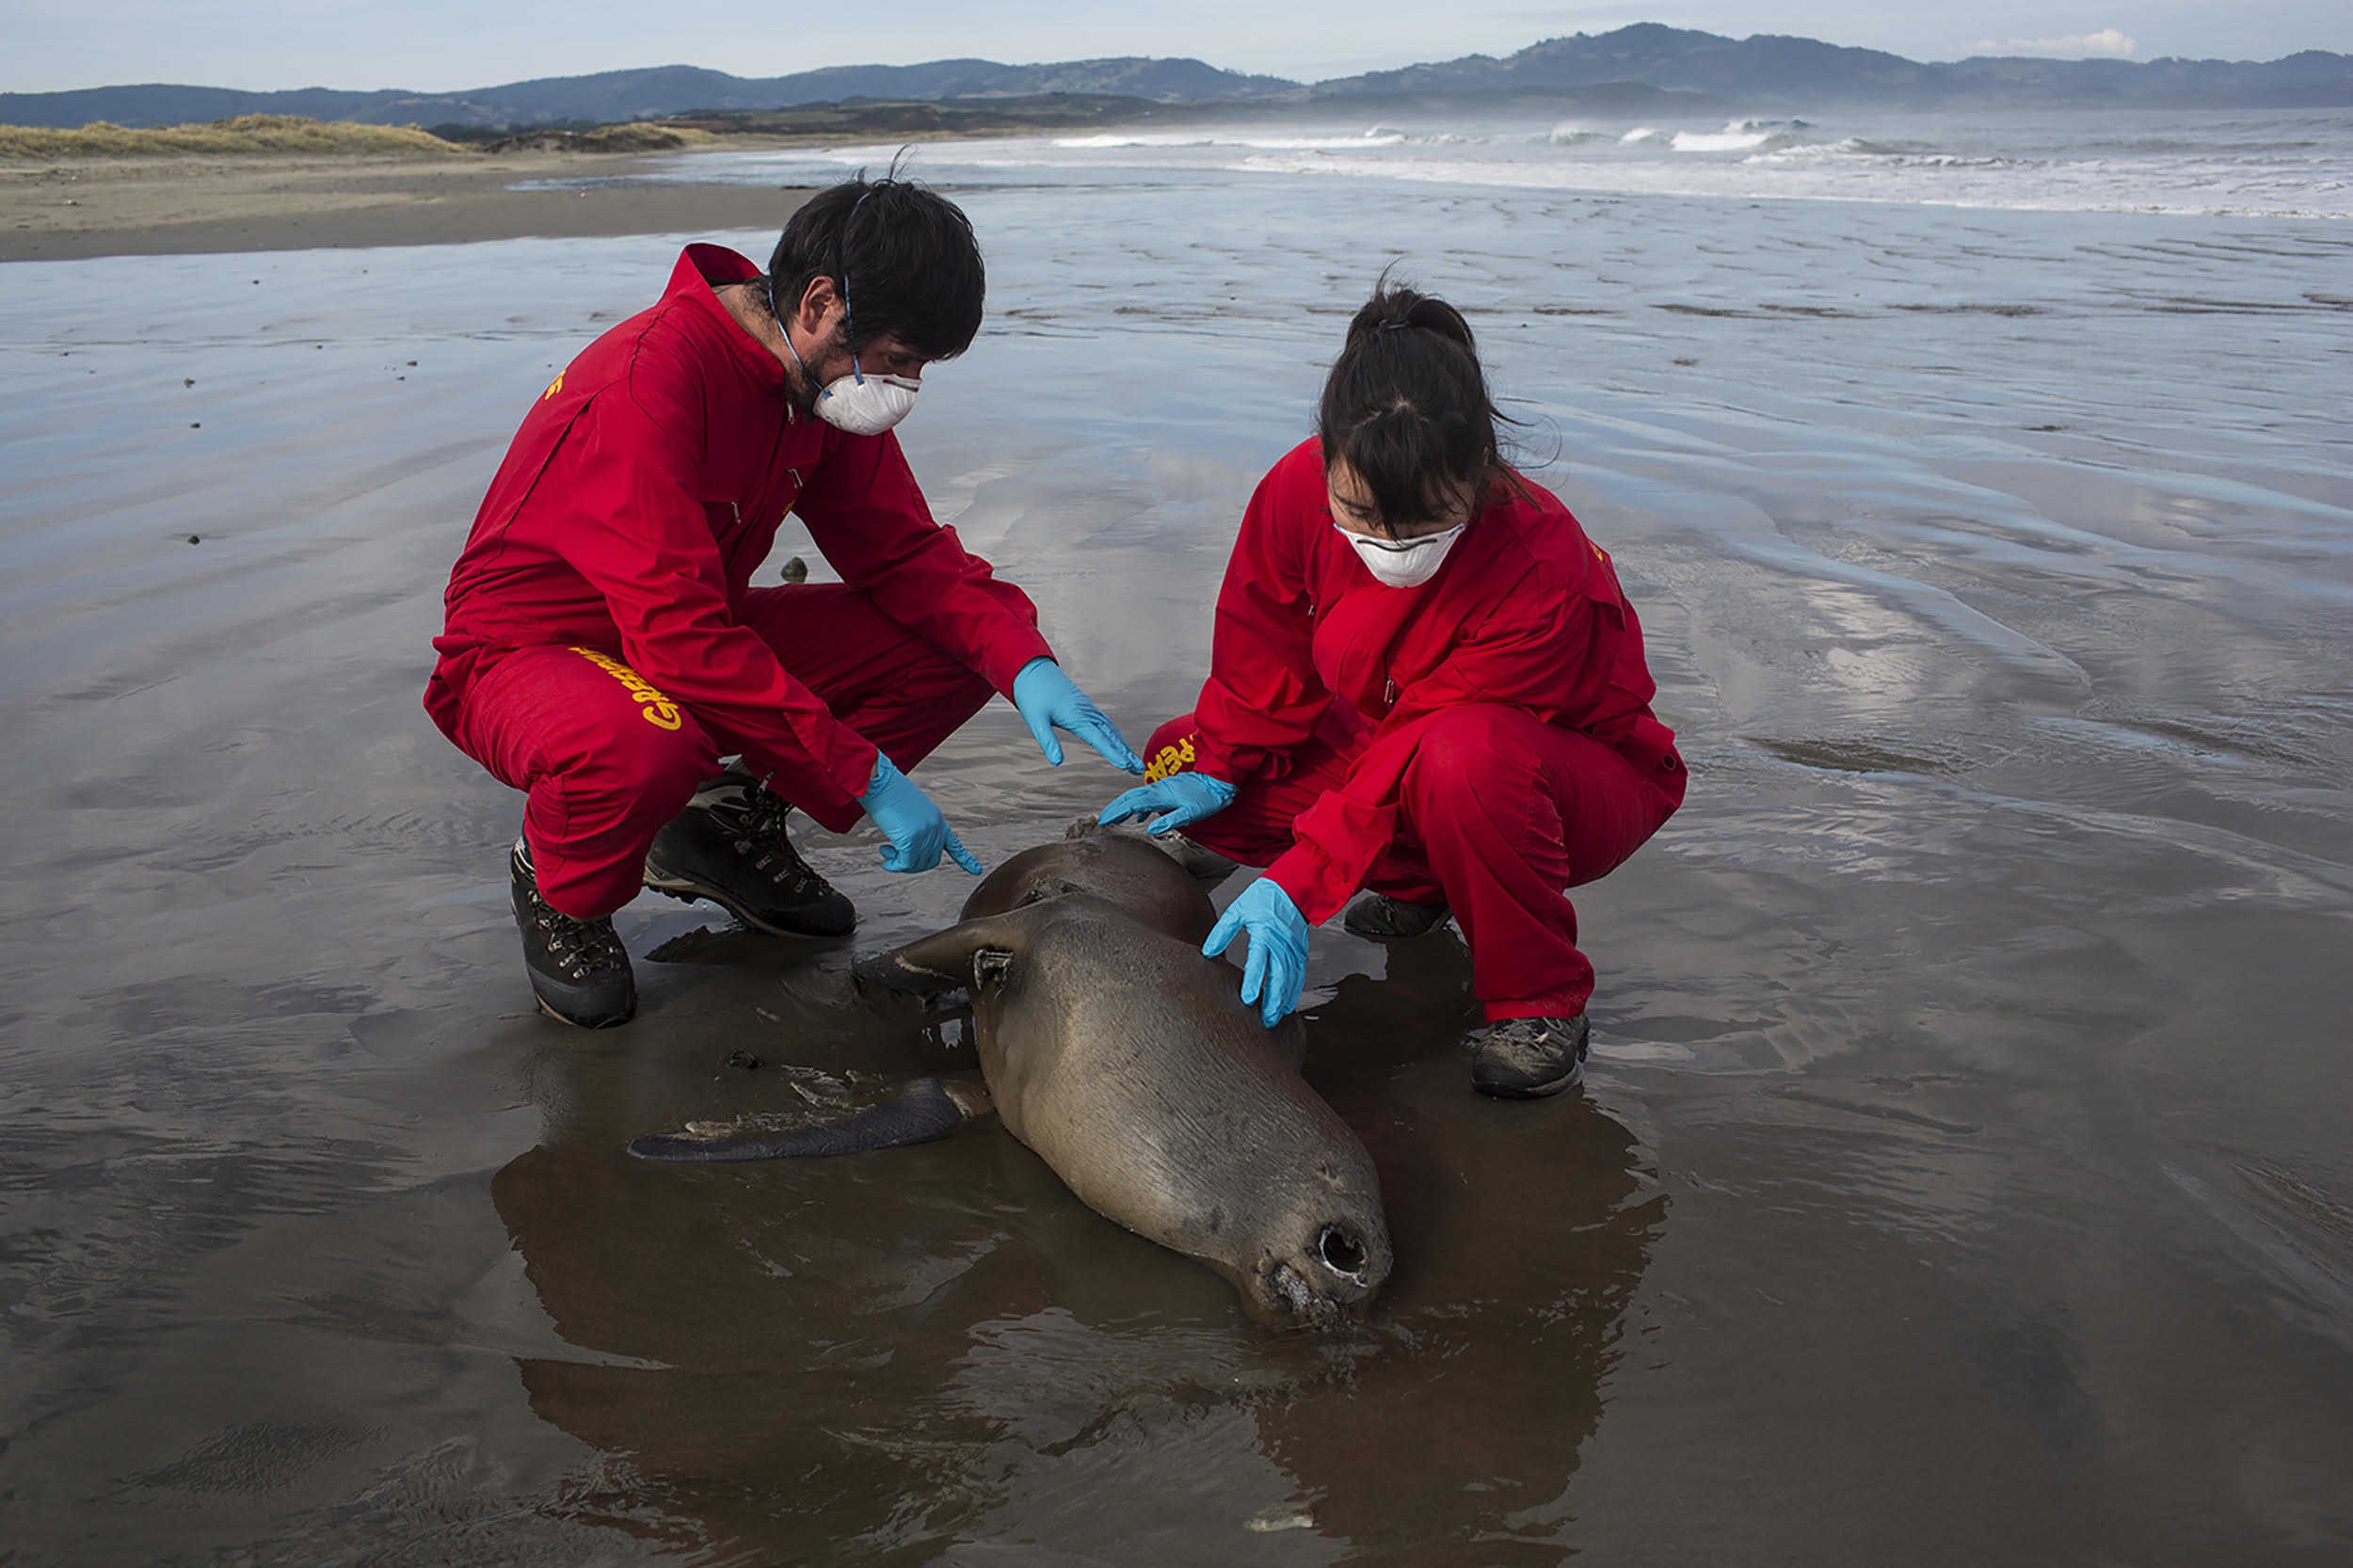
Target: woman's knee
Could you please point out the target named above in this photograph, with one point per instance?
(1173, 749)
(1463, 751)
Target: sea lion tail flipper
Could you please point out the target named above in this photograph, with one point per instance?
(925, 1110)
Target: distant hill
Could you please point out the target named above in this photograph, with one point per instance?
(1768, 68)
(617, 95)
(1765, 70)
(1672, 59)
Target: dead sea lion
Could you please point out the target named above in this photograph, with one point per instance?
(1129, 1062)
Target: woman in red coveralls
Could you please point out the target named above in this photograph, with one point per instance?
(605, 649)
(1425, 682)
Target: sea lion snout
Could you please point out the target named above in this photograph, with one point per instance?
(1339, 1269)
(1343, 1251)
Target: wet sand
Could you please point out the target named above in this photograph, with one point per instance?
(1962, 1177)
(70, 209)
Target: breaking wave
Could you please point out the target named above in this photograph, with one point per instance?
(2276, 164)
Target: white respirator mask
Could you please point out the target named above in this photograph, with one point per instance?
(1403, 563)
(867, 405)
(860, 404)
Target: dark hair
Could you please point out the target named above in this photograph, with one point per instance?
(1406, 407)
(903, 256)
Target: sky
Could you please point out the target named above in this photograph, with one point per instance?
(445, 45)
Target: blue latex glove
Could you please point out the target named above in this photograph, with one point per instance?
(917, 833)
(1183, 797)
(1048, 701)
(1276, 969)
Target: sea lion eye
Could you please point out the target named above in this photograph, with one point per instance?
(1341, 1253)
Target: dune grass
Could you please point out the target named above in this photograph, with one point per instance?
(246, 133)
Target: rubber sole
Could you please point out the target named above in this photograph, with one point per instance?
(1541, 1091)
(609, 1023)
(688, 892)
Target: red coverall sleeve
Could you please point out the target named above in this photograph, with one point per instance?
(867, 515)
(1263, 697)
(1551, 664)
(637, 530)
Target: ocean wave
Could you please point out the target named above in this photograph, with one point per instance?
(2030, 188)
(1379, 135)
(1958, 160)
(1855, 150)
(1739, 135)
(1821, 152)
(1927, 161)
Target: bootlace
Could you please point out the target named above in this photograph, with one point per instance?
(583, 948)
(761, 835)
(1534, 1038)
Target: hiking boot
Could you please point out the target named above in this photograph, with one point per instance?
(729, 846)
(1522, 1058)
(578, 968)
(1380, 918)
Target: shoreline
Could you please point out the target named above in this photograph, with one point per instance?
(196, 205)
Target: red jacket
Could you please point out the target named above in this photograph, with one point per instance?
(1525, 611)
(644, 487)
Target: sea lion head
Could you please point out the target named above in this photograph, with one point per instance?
(1322, 1264)
(1121, 868)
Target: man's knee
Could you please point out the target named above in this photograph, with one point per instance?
(912, 718)
(642, 769)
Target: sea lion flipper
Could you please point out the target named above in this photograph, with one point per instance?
(925, 1110)
(951, 954)
(890, 974)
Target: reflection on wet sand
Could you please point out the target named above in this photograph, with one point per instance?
(1521, 1232)
(870, 1359)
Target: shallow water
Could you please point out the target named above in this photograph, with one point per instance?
(1964, 1172)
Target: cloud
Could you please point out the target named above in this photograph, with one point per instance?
(2107, 43)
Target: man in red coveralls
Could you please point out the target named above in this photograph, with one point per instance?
(605, 649)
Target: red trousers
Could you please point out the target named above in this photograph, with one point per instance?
(1501, 812)
(606, 758)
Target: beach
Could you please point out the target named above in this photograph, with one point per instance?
(71, 209)
(1962, 1172)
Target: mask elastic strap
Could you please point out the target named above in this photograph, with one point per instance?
(849, 325)
(786, 333)
(1404, 547)
(849, 328)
